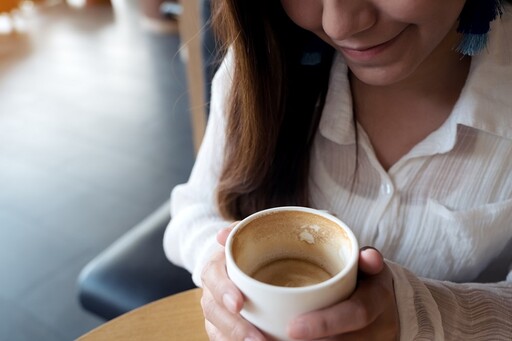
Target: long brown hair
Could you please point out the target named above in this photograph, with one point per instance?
(274, 107)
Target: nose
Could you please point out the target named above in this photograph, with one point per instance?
(342, 19)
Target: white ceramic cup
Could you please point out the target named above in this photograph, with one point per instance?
(304, 259)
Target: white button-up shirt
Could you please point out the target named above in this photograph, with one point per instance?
(450, 197)
(443, 211)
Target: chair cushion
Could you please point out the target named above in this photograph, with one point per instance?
(133, 271)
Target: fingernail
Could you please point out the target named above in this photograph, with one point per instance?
(366, 248)
(230, 303)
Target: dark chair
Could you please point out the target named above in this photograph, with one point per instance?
(133, 271)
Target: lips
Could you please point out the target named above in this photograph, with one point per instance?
(362, 49)
(366, 53)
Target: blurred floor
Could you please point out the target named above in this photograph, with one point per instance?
(94, 133)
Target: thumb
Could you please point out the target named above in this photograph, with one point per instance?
(371, 261)
(223, 234)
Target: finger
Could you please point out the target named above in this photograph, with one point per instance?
(213, 333)
(371, 261)
(215, 279)
(380, 329)
(371, 311)
(374, 332)
(223, 234)
(356, 313)
(345, 317)
(225, 325)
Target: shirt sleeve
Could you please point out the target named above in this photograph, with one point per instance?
(440, 310)
(190, 237)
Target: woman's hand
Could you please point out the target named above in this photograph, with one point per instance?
(370, 313)
(222, 301)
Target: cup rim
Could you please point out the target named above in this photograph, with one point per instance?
(351, 263)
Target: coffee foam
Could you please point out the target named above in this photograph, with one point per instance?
(290, 235)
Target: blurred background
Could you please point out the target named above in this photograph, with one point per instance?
(95, 130)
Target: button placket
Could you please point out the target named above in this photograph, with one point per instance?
(387, 188)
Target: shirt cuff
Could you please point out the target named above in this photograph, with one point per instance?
(419, 316)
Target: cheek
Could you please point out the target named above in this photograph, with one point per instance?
(424, 12)
(441, 25)
(305, 13)
(432, 20)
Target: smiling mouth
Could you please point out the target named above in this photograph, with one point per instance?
(369, 51)
(362, 49)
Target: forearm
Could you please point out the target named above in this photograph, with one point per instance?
(436, 310)
(474, 311)
(190, 238)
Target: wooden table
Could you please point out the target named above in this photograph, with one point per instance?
(9, 5)
(175, 318)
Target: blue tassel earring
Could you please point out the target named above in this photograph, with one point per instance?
(474, 24)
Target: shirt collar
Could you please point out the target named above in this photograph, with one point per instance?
(485, 102)
(337, 122)
(486, 99)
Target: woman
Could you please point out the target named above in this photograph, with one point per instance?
(393, 115)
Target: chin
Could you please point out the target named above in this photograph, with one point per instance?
(382, 76)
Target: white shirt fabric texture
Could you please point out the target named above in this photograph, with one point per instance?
(441, 216)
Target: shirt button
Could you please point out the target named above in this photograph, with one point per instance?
(387, 189)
